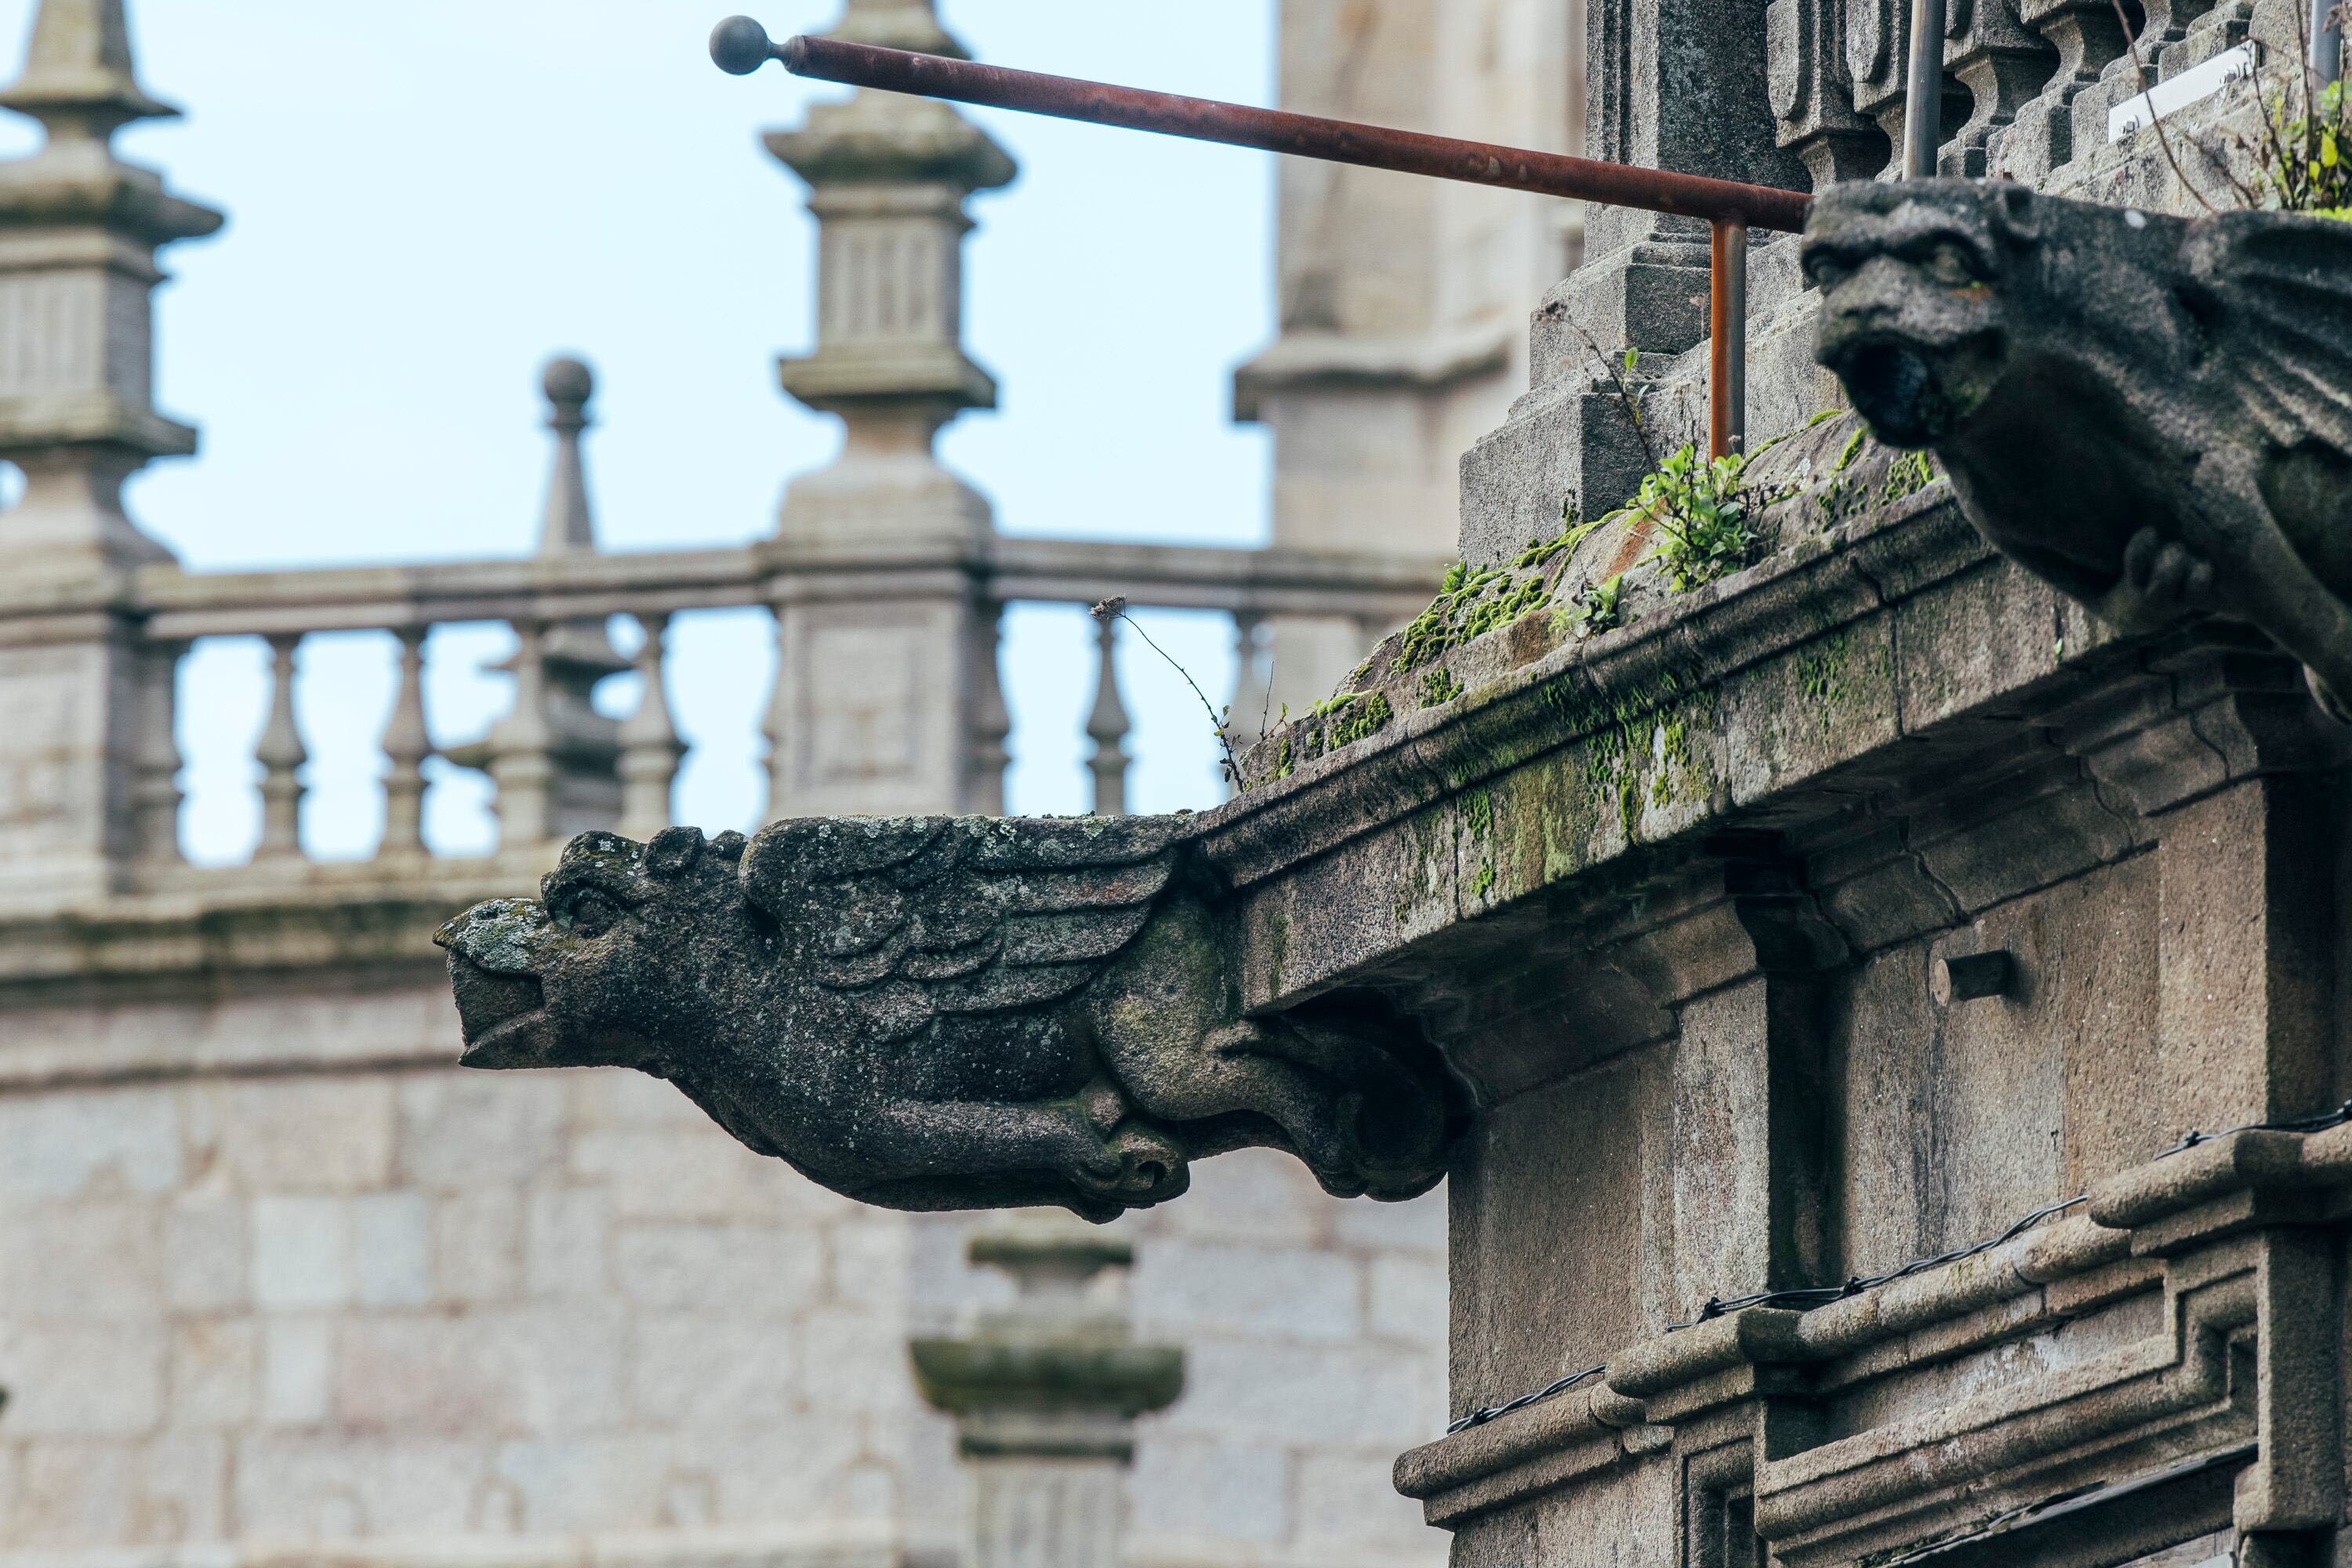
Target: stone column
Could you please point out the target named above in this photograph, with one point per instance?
(1045, 1392)
(583, 746)
(78, 232)
(1668, 86)
(877, 700)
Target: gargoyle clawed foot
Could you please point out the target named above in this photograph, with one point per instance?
(1358, 1118)
(2163, 581)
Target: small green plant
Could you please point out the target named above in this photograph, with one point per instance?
(1471, 603)
(1221, 721)
(1597, 607)
(1439, 687)
(2300, 155)
(1704, 514)
(2305, 161)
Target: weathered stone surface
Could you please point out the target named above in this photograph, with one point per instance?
(2154, 414)
(932, 1013)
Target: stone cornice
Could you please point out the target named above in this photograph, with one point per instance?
(1887, 672)
(1812, 589)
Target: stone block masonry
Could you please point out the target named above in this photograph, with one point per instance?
(399, 1309)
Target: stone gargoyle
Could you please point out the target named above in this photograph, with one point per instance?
(2152, 414)
(929, 1013)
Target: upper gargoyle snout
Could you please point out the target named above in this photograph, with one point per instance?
(505, 936)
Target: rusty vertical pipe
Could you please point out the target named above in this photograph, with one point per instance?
(1727, 382)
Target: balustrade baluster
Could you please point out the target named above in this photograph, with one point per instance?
(1814, 97)
(155, 783)
(992, 720)
(407, 744)
(649, 744)
(2003, 66)
(1107, 726)
(281, 756)
(524, 768)
(1253, 681)
(776, 726)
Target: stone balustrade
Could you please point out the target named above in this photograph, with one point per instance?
(547, 779)
(2029, 84)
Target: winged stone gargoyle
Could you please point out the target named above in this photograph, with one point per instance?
(2153, 414)
(929, 1013)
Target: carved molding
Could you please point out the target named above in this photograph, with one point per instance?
(2217, 1249)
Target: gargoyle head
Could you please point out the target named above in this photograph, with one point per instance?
(631, 948)
(1911, 305)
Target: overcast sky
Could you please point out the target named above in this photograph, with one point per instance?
(425, 201)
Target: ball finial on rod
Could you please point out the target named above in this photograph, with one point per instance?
(739, 46)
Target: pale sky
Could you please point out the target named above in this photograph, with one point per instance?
(426, 201)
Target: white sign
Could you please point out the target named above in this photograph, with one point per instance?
(2170, 96)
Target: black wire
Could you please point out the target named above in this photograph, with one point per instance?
(1480, 1418)
(2335, 1117)
(1811, 1299)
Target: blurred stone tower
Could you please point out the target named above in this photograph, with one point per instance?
(1403, 301)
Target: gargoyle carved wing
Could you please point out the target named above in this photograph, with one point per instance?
(906, 919)
(2273, 285)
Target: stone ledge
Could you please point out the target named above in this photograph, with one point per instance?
(243, 919)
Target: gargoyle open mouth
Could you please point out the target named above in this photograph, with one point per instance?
(1896, 390)
(504, 1017)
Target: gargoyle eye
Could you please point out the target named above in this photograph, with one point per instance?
(1825, 269)
(1951, 266)
(589, 912)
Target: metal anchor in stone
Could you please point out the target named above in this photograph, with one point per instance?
(2152, 414)
(930, 1013)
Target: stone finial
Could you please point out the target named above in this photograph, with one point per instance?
(898, 25)
(888, 175)
(555, 727)
(76, 408)
(568, 384)
(79, 78)
(1045, 1392)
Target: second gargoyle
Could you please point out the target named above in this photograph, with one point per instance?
(2152, 414)
(931, 1012)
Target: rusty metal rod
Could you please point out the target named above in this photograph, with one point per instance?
(1299, 135)
(741, 46)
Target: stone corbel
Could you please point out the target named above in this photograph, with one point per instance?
(2202, 716)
